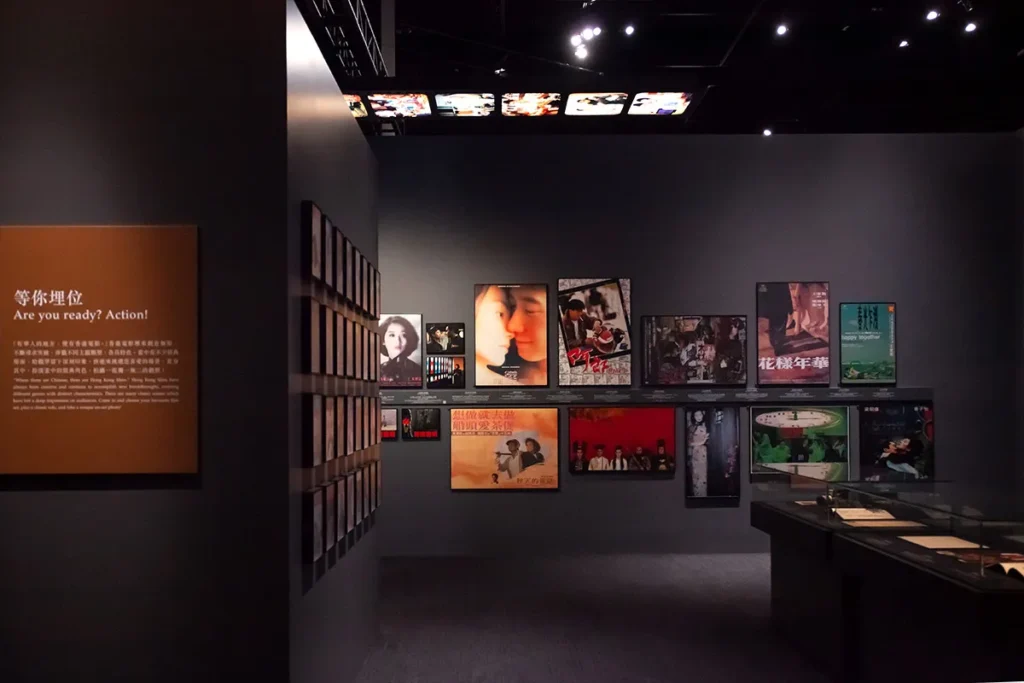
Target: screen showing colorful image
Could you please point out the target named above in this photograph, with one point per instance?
(421, 424)
(511, 344)
(389, 424)
(897, 442)
(635, 441)
(446, 339)
(659, 103)
(792, 333)
(400, 355)
(399, 105)
(595, 103)
(806, 440)
(867, 343)
(464, 104)
(356, 106)
(713, 452)
(595, 344)
(495, 449)
(446, 372)
(694, 349)
(530, 103)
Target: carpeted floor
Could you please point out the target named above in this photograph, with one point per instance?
(599, 619)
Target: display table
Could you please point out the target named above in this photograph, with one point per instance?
(868, 606)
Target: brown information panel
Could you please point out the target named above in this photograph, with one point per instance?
(98, 350)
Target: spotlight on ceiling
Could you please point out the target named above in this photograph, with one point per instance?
(587, 33)
(971, 27)
(597, 30)
(581, 52)
(904, 43)
(576, 40)
(767, 132)
(781, 30)
(932, 15)
(499, 71)
(629, 30)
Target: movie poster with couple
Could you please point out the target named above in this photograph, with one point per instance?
(595, 344)
(511, 340)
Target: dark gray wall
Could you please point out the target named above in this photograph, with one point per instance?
(126, 113)
(329, 162)
(695, 222)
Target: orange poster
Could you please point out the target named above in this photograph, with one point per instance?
(504, 448)
(98, 350)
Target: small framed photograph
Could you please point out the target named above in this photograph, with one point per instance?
(313, 525)
(330, 424)
(359, 262)
(389, 424)
(350, 502)
(350, 445)
(330, 515)
(359, 352)
(311, 335)
(364, 269)
(327, 323)
(328, 254)
(312, 241)
(339, 345)
(360, 444)
(350, 270)
(339, 262)
(312, 421)
(366, 354)
(350, 350)
(339, 510)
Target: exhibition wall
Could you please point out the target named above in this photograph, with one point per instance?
(923, 221)
(118, 113)
(333, 622)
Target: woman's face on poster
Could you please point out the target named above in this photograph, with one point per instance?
(528, 323)
(395, 340)
(492, 335)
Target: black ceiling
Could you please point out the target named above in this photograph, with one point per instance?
(838, 69)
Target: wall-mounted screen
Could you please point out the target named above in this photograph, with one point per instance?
(633, 441)
(504, 448)
(595, 343)
(867, 343)
(464, 104)
(400, 356)
(356, 106)
(399, 105)
(806, 440)
(596, 103)
(792, 333)
(511, 341)
(694, 349)
(897, 442)
(530, 103)
(659, 103)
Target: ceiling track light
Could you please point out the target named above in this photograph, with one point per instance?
(629, 30)
(932, 15)
(971, 27)
(781, 30)
(904, 43)
(767, 132)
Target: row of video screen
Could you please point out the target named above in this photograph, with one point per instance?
(415, 105)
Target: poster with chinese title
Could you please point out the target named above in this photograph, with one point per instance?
(636, 442)
(694, 349)
(792, 333)
(805, 440)
(421, 424)
(504, 448)
(511, 340)
(98, 350)
(867, 343)
(897, 441)
(594, 344)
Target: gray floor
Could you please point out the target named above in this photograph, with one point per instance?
(600, 619)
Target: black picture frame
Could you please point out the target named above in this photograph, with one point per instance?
(564, 346)
(895, 345)
(645, 358)
(624, 474)
(408, 434)
(691, 480)
(559, 432)
(757, 342)
(384, 438)
(547, 358)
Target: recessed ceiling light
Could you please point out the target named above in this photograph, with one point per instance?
(932, 15)
(576, 40)
(597, 30)
(767, 132)
(904, 43)
(971, 27)
(581, 52)
(781, 30)
(629, 30)
(587, 33)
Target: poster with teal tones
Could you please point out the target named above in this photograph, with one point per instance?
(867, 339)
(811, 441)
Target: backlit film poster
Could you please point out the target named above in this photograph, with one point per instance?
(897, 442)
(446, 372)
(496, 449)
(389, 424)
(867, 343)
(421, 424)
(511, 340)
(694, 349)
(792, 333)
(713, 452)
(806, 440)
(595, 342)
(400, 355)
(637, 442)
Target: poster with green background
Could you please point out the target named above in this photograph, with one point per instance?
(867, 338)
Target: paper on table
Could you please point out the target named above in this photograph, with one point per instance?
(861, 513)
(939, 542)
(806, 502)
(884, 524)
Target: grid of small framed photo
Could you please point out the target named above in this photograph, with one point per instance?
(340, 402)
